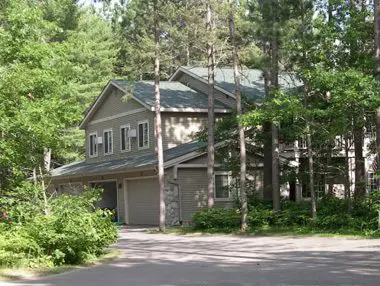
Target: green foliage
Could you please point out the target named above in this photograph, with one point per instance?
(217, 218)
(334, 215)
(71, 233)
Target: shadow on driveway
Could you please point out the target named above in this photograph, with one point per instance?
(168, 260)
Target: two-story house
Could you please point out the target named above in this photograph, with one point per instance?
(120, 145)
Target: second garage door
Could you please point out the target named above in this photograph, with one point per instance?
(143, 201)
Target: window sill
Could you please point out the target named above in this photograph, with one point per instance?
(223, 199)
(143, 148)
(107, 154)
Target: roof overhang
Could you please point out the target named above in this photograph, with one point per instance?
(190, 73)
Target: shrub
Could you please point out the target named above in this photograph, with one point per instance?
(70, 233)
(261, 217)
(217, 219)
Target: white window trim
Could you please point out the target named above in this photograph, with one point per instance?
(96, 143)
(104, 140)
(225, 173)
(129, 138)
(138, 134)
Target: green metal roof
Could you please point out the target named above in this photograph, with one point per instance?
(252, 80)
(174, 95)
(126, 164)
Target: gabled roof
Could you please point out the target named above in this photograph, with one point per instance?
(252, 80)
(175, 97)
(172, 156)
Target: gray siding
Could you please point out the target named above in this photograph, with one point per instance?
(178, 128)
(199, 160)
(143, 201)
(202, 87)
(115, 103)
(193, 184)
(115, 124)
(86, 181)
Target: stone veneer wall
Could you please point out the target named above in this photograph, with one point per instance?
(172, 205)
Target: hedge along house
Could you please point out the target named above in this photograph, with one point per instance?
(120, 146)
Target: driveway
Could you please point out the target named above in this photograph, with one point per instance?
(170, 260)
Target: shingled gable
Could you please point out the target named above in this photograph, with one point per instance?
(251, 80)
(175, 97)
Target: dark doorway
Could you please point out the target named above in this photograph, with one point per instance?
(109, 195)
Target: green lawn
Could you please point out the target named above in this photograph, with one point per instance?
(7, 274)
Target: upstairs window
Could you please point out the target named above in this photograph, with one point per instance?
(125, 139)
(222, 186)
(108, 144)
(143, 131)
(93, 145)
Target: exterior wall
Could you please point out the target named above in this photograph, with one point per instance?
(178, 128)
(115, 103)
(112, 106)
(119, 178)
(202, 87)
(193, 192)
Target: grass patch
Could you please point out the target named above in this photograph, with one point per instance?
(7, 274)
(271, 231)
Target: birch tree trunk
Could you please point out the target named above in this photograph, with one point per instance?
(243, 194)
(160, 152)
(47, 159)
(211, 120)
(377, 72)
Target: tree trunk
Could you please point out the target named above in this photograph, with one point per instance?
(211, 120)
(274, 80)
(347, 184)
(243, 194)
(297, 159)
(268, 195)
(47, 159)
(275, 169)
(160, 152)
(359, 162)
(377, 73)
(311, 173)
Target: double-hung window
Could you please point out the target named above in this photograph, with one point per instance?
(143, 134)
(93, 144)
(108, 142)
(125, 139)
(222, 186)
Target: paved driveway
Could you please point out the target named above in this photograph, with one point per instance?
(169, 260)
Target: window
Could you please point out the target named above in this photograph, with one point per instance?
(143, 134)
(108, 144)
(373, 183)
(125, 139)
(222, 186)
(93, 144)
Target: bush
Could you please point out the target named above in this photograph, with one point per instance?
(72, 232)
(333, 214)
(217, 219)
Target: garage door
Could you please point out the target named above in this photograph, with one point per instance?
(143, 201)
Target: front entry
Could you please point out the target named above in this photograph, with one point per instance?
(143, 201)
